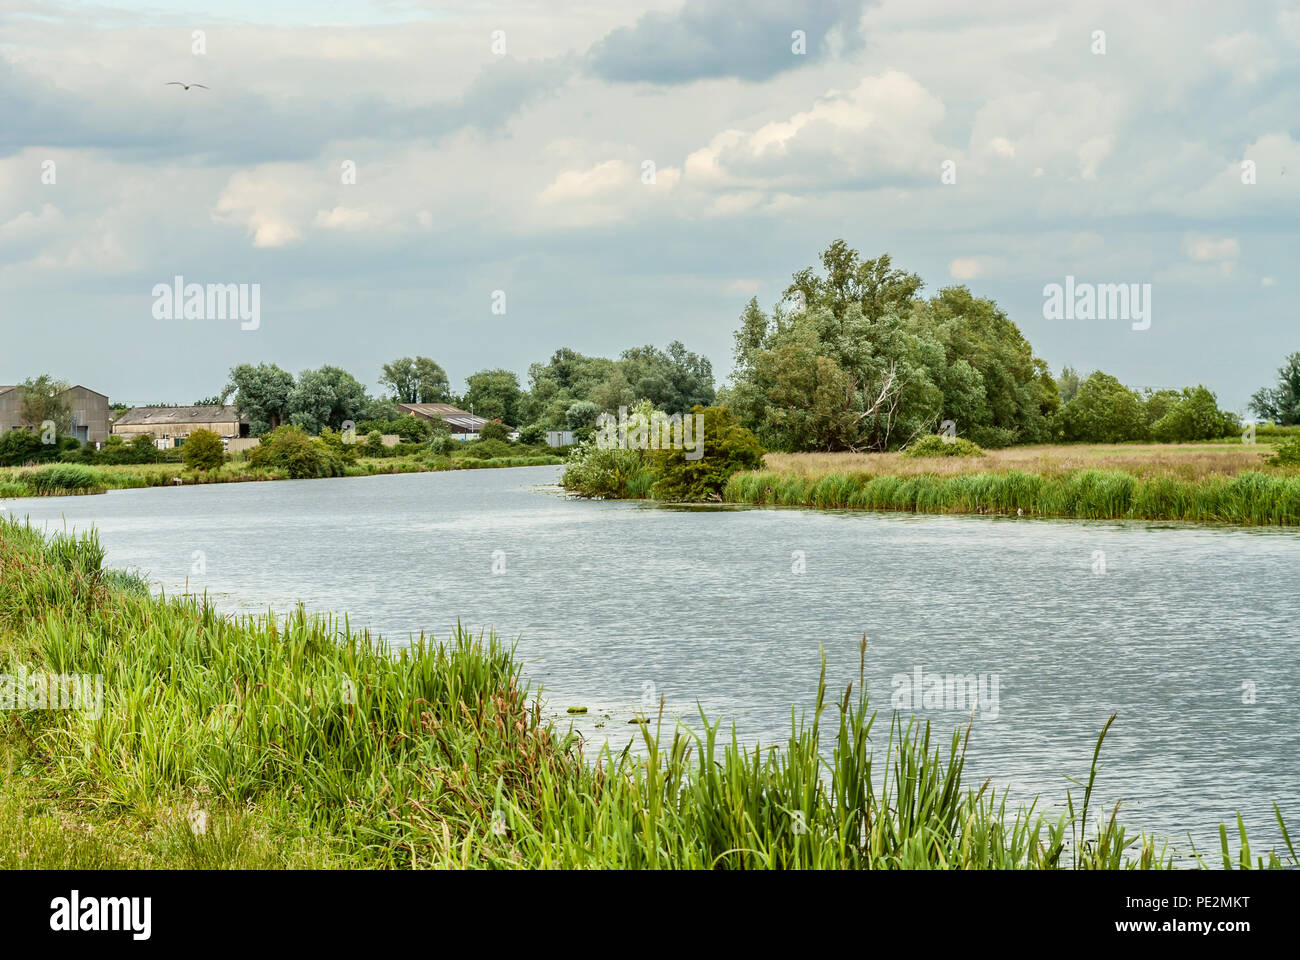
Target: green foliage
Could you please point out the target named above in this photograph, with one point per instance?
(1281, 403)
(673, 380)
(290, 449)
(374, 444)
(939, 446)
(534, 433)
(581, 415)
(1287, 453)
(728, 448)
(203, 451)
(1067, 384)
(1190, 416)
(261, 395)
(442, 444)
(495, 430)
(20, 447)
(1103, 411)
(854, 360)
(494, 395)
(417, 380)
(44, 398)
(602, 473)
(326, 398)
(408, 427)
(339, 446)
(485, 449)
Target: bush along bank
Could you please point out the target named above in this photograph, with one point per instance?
(266, 742)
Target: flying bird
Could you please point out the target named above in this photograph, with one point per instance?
(177, 83)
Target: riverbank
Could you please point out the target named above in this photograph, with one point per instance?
(296, 742)
(1196, 483)
(28, 481)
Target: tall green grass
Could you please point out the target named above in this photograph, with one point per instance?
(309, 743)
(1250, 498)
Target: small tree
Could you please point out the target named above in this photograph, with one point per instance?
(727, 448)
(44, 398)
(494, 430)
(1281, 403)
(203, 451)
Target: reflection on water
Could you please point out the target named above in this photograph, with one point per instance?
(618, 604)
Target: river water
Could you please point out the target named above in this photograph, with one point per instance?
(1190, 634)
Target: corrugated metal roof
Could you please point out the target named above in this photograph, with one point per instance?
(142, 416)
(452, 416)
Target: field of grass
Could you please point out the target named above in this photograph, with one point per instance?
(1200, 483)
(1184, 461)
(15, 481)
(296, 742)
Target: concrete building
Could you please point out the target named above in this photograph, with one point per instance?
(169, 426)
(89, 409)
(462, 424)
(559, 438)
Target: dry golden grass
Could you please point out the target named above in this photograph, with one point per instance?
(1186, 461)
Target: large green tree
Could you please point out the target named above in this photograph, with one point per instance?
(1281, 403)
(853, 359)
(326, 398)
(416, 380)
(261, 395)
(1104, 411)
(494, 394)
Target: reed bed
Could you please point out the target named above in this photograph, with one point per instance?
(1252, 498)
(305, 743)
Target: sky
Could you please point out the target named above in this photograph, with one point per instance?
(539, 174)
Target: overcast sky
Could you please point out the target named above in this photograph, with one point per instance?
(523, 171)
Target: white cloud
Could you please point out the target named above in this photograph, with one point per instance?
(1209, 249)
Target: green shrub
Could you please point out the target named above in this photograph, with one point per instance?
(203, 451)
(289, 448)
(727, 448)
(409, 427)
(495, 430)
(441, 445)
(342, 447)
(20, 447)
(1287, 454)
(534, 433)
(488, 449)
(601, 473)
(937, 446)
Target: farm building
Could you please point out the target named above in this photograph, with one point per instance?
(169, 426)
(89, 412)
(462, 424)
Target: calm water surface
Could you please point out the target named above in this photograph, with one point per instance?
(616, 604)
